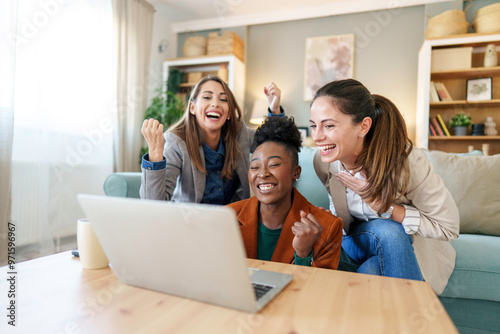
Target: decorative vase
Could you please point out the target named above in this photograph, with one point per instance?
(490, 127)
(490, 56)
(460, 130)
(477, 129)
(222, 73)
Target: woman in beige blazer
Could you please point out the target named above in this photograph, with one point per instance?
(398, 216)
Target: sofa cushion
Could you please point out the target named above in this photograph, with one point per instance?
(473, 182)
(477, 268)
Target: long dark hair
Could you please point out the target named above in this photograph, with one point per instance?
(386, 147)
(188, 130)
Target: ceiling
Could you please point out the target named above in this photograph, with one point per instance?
(195, 15)
(216, 9)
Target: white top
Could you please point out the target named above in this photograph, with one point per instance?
(362, 211)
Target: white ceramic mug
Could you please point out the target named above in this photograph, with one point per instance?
(91, 254)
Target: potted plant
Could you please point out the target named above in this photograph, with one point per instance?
(166, 107)
(460, 123)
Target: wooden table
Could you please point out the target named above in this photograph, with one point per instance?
(55, 295)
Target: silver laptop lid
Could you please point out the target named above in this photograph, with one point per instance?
(190, 250)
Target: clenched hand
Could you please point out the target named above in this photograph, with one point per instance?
(152, 131)
(306, 232)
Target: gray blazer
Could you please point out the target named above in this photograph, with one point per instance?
(180, 181)
(439, 218)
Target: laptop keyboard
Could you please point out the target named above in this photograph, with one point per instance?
(260, 289)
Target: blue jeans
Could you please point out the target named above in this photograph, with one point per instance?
(380, 247)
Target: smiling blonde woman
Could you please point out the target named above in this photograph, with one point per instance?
(203, 158)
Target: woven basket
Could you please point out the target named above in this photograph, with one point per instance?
(195, 46)
(488, 9)
(451, 22)
(487, 19)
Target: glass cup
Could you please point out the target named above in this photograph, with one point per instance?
(91, 254)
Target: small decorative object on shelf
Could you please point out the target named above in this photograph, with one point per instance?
(490, 56)
(477, 129)
(479, 89)
(222, 72)
(460, 123)
(486, 149)
(490, 127)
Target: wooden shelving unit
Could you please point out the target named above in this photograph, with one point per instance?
(475, 72)
(467, 138)
(465, 104)
(210, 64)
(456, 82)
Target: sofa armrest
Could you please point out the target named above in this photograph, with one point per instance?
(123, 185)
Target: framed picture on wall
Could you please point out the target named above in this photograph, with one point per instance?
(303, 133)
(328, 58)
(479, 89)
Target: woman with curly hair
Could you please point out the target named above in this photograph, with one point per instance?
(398, 215)
(278, 223)
(203, 158)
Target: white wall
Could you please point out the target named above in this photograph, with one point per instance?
(162, 30)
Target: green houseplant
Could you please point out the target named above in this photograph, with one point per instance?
(460, 123)
(166, 107)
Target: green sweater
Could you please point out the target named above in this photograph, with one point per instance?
(266, 243)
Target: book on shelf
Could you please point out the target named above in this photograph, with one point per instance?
(432, 131)
(443, 125)
(437, 127)
(434, 97)
(443, 93)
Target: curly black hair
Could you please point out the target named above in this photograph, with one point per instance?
(281, 130)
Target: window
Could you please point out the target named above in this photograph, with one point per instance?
(63, 117)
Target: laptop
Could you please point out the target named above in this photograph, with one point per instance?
(184, 249)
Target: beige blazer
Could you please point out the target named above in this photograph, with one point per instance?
(439, 218)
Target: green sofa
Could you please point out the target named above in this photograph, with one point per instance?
(472, 297)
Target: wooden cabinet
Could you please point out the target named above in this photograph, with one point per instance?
(195, 67)
(456, 82)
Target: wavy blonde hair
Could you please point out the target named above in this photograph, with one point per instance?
(187, 129)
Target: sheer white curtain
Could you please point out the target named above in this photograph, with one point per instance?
(64, 107)
(7, 58)
(133, 21)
